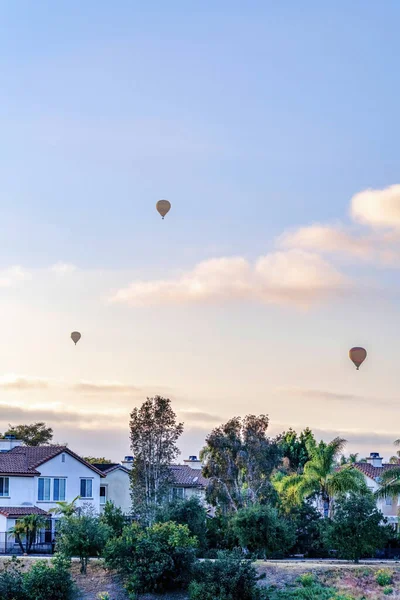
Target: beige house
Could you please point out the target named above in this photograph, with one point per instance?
(372, 471)
(115, 487)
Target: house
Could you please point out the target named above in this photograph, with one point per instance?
(115, 487)
(34, 479)
(372, 470)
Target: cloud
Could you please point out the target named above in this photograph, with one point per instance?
(294, 277)
(12, 276)
(313, 393)
(61, 268)
(193, 416)
(16, 382)
(106, 388)
(377, 208)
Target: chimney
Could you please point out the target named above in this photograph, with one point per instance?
(127, 462)
(374, 459)
(9, 442)
(193, 462)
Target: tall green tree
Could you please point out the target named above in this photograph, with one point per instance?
(294, 449)
(322, 479)
(239, 458)
(25, 531)
(35, 434)
(154, 433)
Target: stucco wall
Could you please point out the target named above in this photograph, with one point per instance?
(117, 485)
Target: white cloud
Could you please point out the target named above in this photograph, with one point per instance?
(377, 208)
(21, 382)
(62, 268)
(106, 387)
(12, 276)
(295, 277)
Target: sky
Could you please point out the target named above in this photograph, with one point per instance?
(272, 128)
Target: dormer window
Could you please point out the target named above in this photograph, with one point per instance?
(63, 457)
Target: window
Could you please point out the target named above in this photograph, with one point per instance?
(4, 486)
(86, 488)
(178, 493)
(103, 495)
(44, 489)
(389, 501)
(62, 457)
(59, 490)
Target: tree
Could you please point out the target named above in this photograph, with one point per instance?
(154, 435)
(239, 458)
(321, 478)
(25, 531)
(294, 448)
(35, 434)
(65, 509)
(261, 529)
(311, 530)
(155, 559)
(188, 512)
(83, 536)
(100, 461)
(358, 527)
(352, 459)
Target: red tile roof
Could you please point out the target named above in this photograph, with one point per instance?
(374, 472)
(24, 460)
(21, 511)
(188, 477)
(107, 468)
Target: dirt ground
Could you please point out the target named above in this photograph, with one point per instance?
(358, 581)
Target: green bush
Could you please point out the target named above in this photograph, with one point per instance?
(49, 582)
(311, 531)
(384, 577)
(11, 581)
(388, 590)
(114, 518)
(188, 512)
(84, 536)
(307, 580)
(220, 535)
(358, 527)
(227, 578)
(155, 559)
(261, 530)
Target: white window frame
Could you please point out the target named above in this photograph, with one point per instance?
(102, 503)
(86, 497)
(44, 499)
(65, 489)
(388, 500)
(6, 485)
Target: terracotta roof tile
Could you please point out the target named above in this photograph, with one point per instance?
(373, 472)
(24, 460)
(188, 477)
(21, 511)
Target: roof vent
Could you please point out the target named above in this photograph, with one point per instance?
(128, 458)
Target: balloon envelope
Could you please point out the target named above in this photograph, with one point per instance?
(163, 207)
(358, 355)
(76, 336)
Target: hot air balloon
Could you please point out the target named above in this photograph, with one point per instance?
(75, 336)
(163, 207)
(358, 355)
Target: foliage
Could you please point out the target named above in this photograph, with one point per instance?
(11, 580)
(83, 536)
(294, 449)
(25, 531)
(310, 530)
(35, 434)
(227, 578)
(308, 589)
(66, 509)
(358, 527)
(352, 459)
(188, 512)
(261, 529)
(45, 582)
(321, 478)
(94, 460)
(239, 458)
(154, 435)
(384, 577)
(114, 518)
(220, 535)
(388, 590)
(154, 559)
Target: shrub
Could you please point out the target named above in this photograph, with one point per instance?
(220, 535)
(260, 529)
(84, 536)
(227, 578)
(307, 580)
(384, 577)
(49, 582)
(388, 590)
(155, 559)
(358, 527)
(188, 512)
(11, 581)
(114, 518)
(310, 530)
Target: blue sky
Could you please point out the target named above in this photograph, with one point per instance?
(256, 121)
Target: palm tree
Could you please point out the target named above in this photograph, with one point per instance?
(65, 509)
(322, 479)
(25, 531)
(390, 479)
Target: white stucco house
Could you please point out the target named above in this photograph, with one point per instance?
(115, 487)
(372, 470)
(34, 479)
